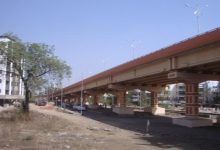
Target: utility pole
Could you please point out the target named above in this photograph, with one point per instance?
(197, 11)
(81, 96)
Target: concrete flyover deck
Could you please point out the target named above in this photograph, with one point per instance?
(191, 61)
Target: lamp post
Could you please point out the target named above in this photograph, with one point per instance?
(197, 12)
(81, 96)
(134, 45)
(133, 48)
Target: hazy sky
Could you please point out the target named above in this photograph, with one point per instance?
(95, 35)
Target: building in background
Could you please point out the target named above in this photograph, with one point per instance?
(216, 90)
(207, 91)
(177, 92)
(11, 87)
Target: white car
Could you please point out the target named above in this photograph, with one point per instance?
(79, 107)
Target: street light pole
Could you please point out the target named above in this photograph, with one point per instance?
(81, 96)
(133, 48)
(197, 12)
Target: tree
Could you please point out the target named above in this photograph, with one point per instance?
(34, 64)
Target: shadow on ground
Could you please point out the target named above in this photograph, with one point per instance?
(162, 133)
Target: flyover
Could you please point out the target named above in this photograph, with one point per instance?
(191, 61)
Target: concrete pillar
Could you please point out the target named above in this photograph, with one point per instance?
(84, 99)
(95, 100)
(192, 109)
(154, 108)
(121, 98)
(77, 100)
(121, 108)
(154, 99)
(192, 106)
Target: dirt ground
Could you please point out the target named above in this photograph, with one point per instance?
(50, 129)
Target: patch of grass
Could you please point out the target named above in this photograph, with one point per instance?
(22, 116)
(18, 131)
(14, 115)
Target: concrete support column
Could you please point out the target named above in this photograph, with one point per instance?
(192, 107)
(154, 99)
(121, 98)
(84, 98)
(77, 100)
(121, 108)
(95, 100)
(154, 108)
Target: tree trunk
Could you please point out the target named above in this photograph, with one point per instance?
(26, 102)
(27, 99)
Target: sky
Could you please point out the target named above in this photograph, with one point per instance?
(96, 35)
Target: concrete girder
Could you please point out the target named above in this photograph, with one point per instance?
(192, 77)
(119, 87)
(93, 92)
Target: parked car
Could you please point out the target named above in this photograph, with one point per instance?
(79, 107)
(40, 102)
